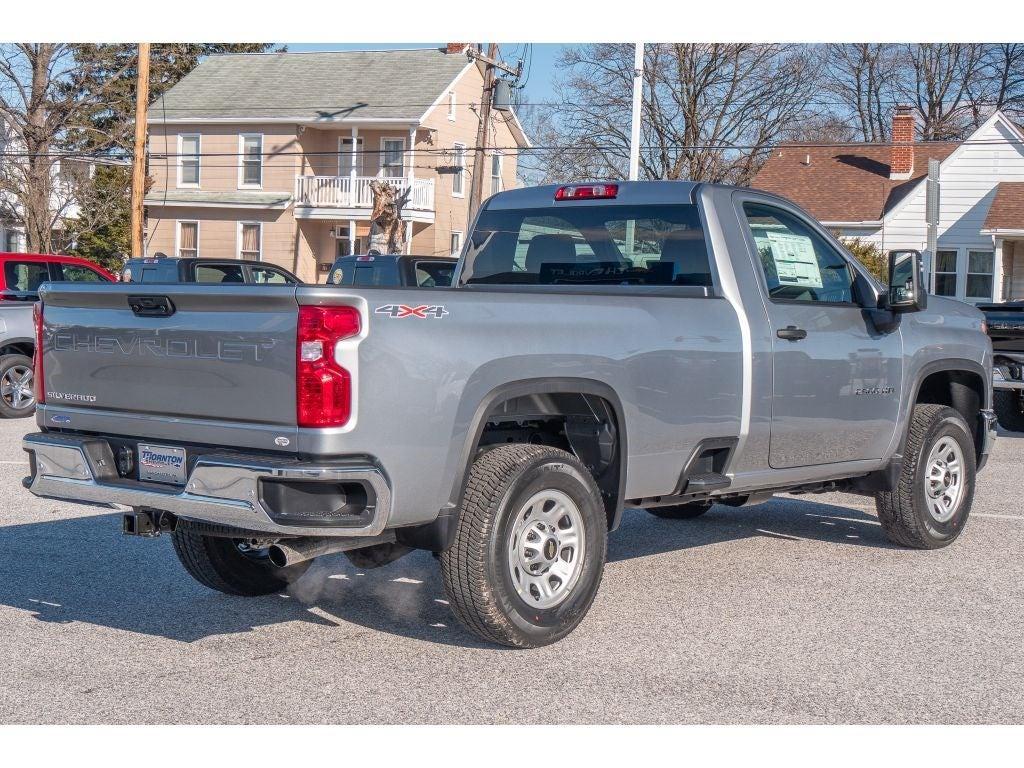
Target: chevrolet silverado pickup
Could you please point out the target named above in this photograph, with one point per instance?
(655, 345)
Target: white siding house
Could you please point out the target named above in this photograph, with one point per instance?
(974, 260)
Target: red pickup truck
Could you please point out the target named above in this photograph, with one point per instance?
(21, 274)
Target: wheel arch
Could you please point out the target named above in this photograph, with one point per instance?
(552, 396)
(18, 346)
(959, 383)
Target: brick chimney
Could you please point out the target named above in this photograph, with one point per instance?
(456, 47)
(901, 158)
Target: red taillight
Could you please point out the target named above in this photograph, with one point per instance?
(587, 192)
(323, 389)
(37, 374)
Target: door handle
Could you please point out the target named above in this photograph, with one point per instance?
(792, 333)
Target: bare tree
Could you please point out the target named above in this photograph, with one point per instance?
(999, 83)
(864, 78)
(939, 83)
(711, 111)
(42, 101)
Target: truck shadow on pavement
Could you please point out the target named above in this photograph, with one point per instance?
(82, 570)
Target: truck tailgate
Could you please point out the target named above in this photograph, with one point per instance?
(217, 354)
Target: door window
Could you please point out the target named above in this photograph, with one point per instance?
(799, 264)
(219, 273)
(265, 275)
(392, 163)
(349, 160)
(25, 276)
(945, 273)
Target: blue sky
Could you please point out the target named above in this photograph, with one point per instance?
(542, 66)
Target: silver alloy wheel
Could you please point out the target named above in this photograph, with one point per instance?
(546, 548)
(16, 387)
(944, 479)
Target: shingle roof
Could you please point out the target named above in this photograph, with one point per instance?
(332, 85)
(845, 182)
(1007, 209)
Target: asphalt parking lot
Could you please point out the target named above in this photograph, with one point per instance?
(796, 611)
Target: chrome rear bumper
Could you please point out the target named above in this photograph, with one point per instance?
(222, 488)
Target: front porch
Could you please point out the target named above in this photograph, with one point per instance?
(341, 197)
(339, 166)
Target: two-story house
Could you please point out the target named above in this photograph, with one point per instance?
(270, 156)
(876, 192)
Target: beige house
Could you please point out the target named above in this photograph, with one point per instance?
(270, 156)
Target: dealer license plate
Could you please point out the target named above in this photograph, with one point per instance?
(162, 464)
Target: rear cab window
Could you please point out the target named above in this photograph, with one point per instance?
(611, 245)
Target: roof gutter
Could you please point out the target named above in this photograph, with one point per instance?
(851, 223)
(282, 121)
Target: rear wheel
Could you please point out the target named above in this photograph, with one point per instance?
(530, 547)
(1009, 407)
(928, 509)
(16, 396)
(682, 511)
(232, 566)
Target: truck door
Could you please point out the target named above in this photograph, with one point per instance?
(836, 378)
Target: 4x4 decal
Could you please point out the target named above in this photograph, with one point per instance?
(436, 311)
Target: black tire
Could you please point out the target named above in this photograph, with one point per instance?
(478, 575)
(12, 404)
(682, 511)
(1009, 407)
(904, 512)
(218, 563)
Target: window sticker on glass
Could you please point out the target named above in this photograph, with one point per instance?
(795, 262)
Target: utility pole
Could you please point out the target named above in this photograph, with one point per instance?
(139, 156)
(638, 95)
(634, 137)
(476, 187)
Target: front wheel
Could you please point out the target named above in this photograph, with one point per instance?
(928, 509)
(530, 548)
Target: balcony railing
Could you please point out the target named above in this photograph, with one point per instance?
(354, 192)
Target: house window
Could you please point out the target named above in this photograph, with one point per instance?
(451, 106)
(456, 243)
(945, 273)
(347, 159)
(979, 274)
(188, 159)
(250, 237)
(188, 238)
(251, 147)
(392, 158)
(495, 174)
(459, 179)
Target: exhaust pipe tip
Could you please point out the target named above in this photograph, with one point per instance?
(278, 556)
(292, 551)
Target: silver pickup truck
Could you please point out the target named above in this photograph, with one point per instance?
(662, 345)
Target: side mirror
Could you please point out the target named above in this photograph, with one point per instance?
(906, 286)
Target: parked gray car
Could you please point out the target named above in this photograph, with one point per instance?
(664, 345)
